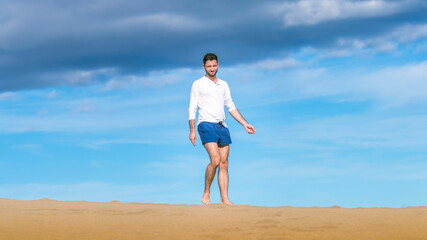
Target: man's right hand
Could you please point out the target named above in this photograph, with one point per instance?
(250, 129)
(193, 137)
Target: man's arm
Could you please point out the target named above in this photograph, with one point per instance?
(192, 111)
(193, 134)
(236, 115)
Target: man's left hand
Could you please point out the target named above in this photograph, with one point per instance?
(250, 129)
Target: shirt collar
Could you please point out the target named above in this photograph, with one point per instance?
(217, 83)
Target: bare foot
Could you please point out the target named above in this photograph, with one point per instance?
(227, 202)
(205, 199)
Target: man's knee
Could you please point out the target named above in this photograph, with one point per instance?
(215, 162)
(223, 163)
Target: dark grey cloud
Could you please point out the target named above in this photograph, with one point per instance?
(47, 43)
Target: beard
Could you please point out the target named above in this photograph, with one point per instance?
(211, 75)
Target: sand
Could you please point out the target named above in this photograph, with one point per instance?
(48, 219)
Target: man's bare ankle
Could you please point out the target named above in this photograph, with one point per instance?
(205, 198)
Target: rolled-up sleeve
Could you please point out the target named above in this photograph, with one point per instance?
(194, 95)
(228, 101)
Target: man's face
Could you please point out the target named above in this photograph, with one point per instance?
(211, 67)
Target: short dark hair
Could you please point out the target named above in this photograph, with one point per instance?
(209, 57)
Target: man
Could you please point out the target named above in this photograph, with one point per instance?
(210, 94)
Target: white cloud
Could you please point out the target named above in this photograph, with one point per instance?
(85, 77)
(105, 111)
(422, 47)
(85, 108)
(344, 139)
(326, 168)
(87, 120)
(116, 84)
(310, 12)
(335, 53)
(387, 42)
(168, 137)
(52, 94)
(386, 47)
(34, 149)
(389, 86)
(386, 87)
(346, 47)
(161, 20)
(101, 144)
(396, 85)
(7, 95)
(409, 33)
(272, 64)
(156, 79)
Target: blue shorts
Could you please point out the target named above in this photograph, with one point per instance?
(214, 132)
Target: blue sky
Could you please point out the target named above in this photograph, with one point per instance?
(94, 98)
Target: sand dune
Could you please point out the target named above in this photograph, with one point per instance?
(48, 219)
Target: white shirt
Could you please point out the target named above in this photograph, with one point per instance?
(210, 98)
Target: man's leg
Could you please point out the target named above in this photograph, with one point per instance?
(223, 174)
(214, 155)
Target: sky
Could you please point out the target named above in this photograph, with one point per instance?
(94, 100)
